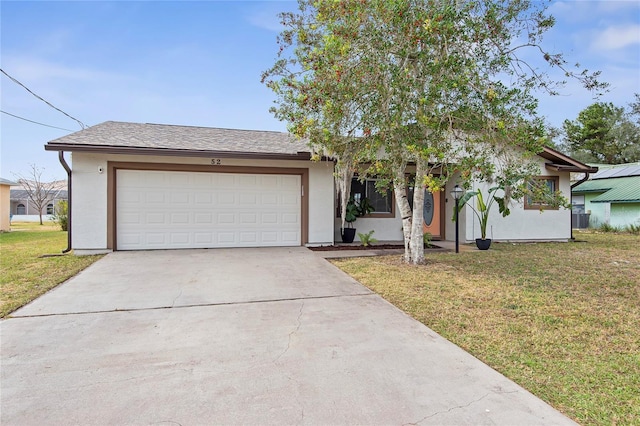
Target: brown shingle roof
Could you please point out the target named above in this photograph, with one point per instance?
(153, 137)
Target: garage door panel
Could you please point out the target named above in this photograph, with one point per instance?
(204, 238)
(130, 218)
(270, 218)
(289, 237)
(159, 210)
(290, 219)
(248, 199)
(203, 179)
(204, 198)
(289, 199)
(203, 218)
(178, 197)
(181, 238)
(130, 240)
(155, 218)
(226, 198)
(180, 219)
(290, 182)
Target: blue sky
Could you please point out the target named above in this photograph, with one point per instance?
(199, 63)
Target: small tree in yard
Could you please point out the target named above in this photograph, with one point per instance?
(381, 84)
(61, 215)
(40, 193)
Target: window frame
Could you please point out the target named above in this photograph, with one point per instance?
(23, 207)
(50, 208)
(529, 205)
(374, 214)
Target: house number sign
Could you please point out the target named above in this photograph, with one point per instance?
(216, 161)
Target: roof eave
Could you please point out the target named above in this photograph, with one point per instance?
(568, 168)
(109, 149)
(572, 165)
(598, 192)
(616, 201)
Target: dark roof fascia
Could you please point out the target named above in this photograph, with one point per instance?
(106, 149)
(566, 168)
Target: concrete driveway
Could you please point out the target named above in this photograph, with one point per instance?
(239, 336)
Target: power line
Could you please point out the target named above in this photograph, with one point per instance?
(35, 122)
(28, 90)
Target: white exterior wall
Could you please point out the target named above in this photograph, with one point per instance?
(321, 197)
(89, 197)
(89, 202)
(521, 224)
(385, 229)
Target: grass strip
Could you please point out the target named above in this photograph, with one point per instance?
(25, 274)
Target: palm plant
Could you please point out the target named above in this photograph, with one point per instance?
(482, 208)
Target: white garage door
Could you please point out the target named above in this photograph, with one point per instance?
(167, 210)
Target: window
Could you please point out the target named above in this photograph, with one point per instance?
(382, 202)
(542, 193)
(50, 208)
(21, 209)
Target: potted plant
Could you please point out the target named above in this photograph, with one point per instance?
(354, 211)
(481, 210)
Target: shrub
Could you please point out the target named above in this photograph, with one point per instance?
(61, 215)
(605, 227)
(633, 229)
(367, 239)
(426, 238)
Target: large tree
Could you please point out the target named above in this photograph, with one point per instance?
(383, 84)
(604, 133)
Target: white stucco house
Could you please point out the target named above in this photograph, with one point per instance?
(150, 186)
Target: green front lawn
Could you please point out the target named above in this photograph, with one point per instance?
(26, 275)
(562, 320)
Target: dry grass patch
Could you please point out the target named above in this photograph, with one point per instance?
(26, 275)
(562, 320)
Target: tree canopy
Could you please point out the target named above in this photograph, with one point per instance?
(442, 85)
(605, 133)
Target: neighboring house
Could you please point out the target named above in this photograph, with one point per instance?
(611, 196)
(5, 212)
(152, 186)
(23, 209)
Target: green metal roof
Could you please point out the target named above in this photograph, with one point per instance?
(614, 190)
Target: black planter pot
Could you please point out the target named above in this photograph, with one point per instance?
(483, 244)
(348, 234)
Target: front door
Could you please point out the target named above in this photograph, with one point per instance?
(432, 214)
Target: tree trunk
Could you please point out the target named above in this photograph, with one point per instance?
(411, 221)
(343, 176)
(417, 233)
(40, 213)
(400, 192)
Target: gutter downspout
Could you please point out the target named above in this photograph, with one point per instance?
(584, 179)
(68, 169)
